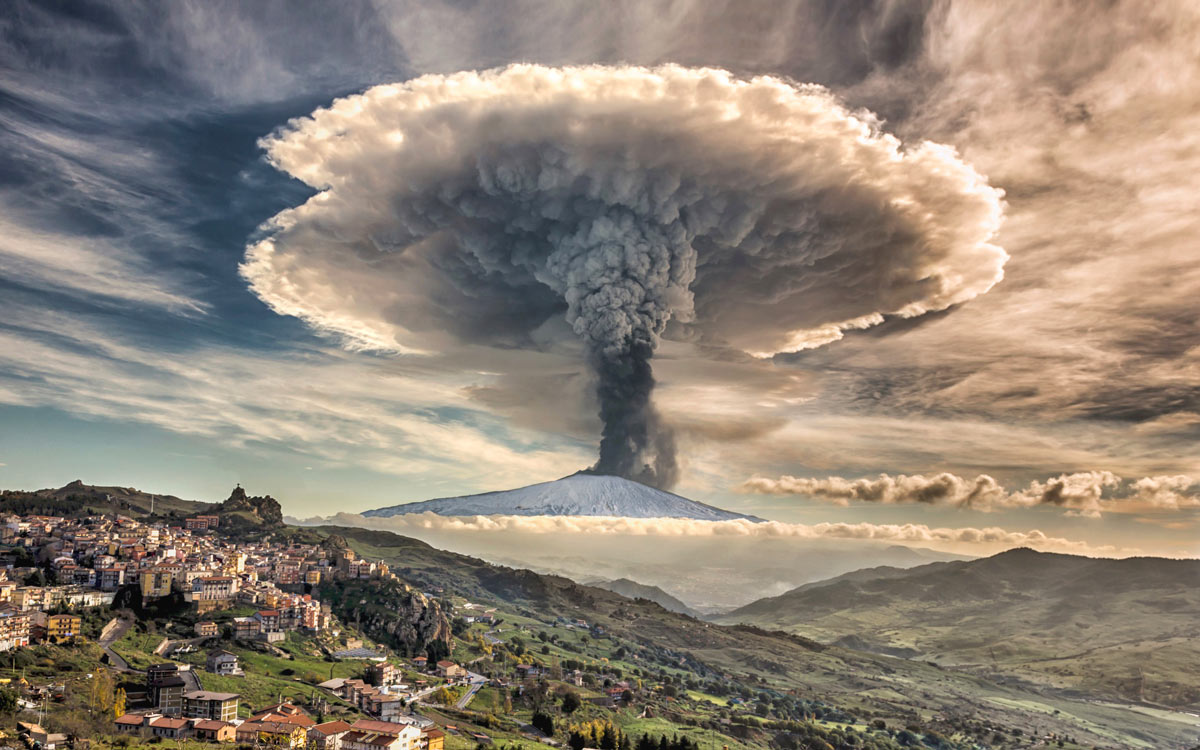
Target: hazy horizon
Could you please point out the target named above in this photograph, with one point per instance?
(877, 264)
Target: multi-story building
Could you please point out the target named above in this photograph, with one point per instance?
(110, 579)
(63, 628)
(245, 628)
(156, 582)
(165, 688)
(222, 662)
(268, 620)
(202, 523)
(14, 628)
(433, 738)
(84, 577)
(381, 673)
(209, 730)
(205, 704)
(213, 592)
(287, 572)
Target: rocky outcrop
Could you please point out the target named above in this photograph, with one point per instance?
(263, 509)
(335, 543)
(391, 612)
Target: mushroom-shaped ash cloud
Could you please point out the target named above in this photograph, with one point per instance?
(615, 206)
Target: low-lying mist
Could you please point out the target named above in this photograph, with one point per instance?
(710, 566)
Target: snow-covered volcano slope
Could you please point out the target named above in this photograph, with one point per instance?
(576, 495)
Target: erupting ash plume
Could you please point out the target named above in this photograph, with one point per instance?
(483, 209)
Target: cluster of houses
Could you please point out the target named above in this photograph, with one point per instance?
(213, 717)
(90, 559)
(383, 694)
(85, 562)
(19, 628)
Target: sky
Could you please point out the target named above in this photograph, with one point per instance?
(937, 263)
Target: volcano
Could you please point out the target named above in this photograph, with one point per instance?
(576, 495)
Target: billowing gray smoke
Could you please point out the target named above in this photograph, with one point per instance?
(481, 210)
(622, 275)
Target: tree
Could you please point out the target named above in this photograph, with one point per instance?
(8, 701)
(570, 702)
(436, 650)
(118, 706)
(543, 722)
(609, 740)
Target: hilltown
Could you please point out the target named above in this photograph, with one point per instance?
(96, 561)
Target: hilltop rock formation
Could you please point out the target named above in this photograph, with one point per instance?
(262, 509)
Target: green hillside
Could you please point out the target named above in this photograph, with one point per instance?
(654, 640)
(78, 499)
(1106, 629)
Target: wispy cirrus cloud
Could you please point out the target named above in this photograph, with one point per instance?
(378, 415)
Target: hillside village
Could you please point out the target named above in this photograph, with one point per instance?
(91, 584)
(216, 623)
(57, 570)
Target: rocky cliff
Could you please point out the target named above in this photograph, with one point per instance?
(391, 612)
(387, 609)
(264, 509)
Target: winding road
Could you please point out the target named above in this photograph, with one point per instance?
(477, 681)
(113, 631)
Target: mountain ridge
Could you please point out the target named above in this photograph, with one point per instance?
(770, 658)
(1121, 628)
(632, 589)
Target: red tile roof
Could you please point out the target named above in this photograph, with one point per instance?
(331, 727)
(212, 724)
(165, 723)
(383, 727)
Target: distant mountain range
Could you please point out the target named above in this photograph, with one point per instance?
(576, 495)
(876, 685)
(1124, 628)
(634, 590)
